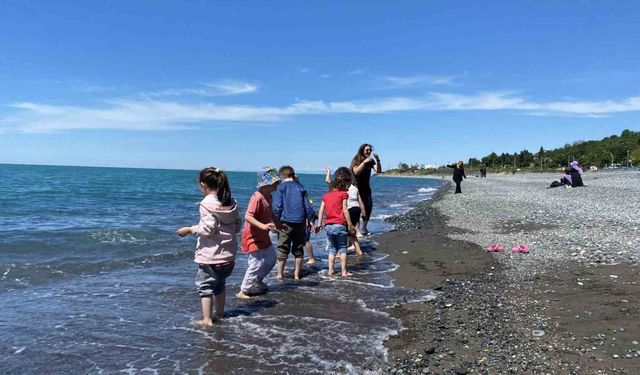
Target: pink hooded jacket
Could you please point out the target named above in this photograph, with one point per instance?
(216, 231)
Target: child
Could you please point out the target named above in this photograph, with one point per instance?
(292, 209)
(217, 245)
(255, 235)
(337, 223)
(355, 206)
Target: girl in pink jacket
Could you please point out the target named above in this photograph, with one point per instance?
(217, 244)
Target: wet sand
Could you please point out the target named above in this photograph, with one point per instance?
(561, 317)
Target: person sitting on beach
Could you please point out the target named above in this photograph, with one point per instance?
(217, 245)
(362, 164)
(255, 235)
(458, 174)
(574, 172)
(292, 209)
(337, 223)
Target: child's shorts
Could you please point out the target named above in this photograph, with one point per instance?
(211, 278)
(292, 241)
(337, 236)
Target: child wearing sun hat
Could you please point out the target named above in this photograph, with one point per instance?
(255, 235)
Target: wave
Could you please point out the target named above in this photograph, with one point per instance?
(427, 190)
(20, 275)
(115, 236)
(381, 216)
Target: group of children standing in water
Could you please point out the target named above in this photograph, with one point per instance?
(279, 205)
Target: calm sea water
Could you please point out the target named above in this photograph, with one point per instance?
(93, 279)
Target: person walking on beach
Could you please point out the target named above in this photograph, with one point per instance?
(483, 171)
(291, 208)
(361, 165)
(217, 246)
(255, 235)
(458, 174)
(337, 223)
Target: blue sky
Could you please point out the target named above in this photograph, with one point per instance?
(240, 85)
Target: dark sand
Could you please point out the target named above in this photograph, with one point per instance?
(483, 323)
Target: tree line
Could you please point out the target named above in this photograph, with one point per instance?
(622, 150)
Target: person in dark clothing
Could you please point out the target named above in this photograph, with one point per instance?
(361, 165)
(483, 172)
(458, 175)
(576, 174)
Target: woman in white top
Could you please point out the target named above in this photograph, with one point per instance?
(356, 207)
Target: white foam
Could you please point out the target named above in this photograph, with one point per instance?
(115, 236)
(427, 190)
(381, 216)
(20, 350)
(382, 257)
(4, 275)
(352, 281)
(393, 267)
(364, 306)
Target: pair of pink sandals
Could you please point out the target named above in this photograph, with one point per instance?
(498, 248)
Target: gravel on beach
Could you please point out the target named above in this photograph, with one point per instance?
(571, 305)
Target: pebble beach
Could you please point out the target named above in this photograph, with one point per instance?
(568, 306)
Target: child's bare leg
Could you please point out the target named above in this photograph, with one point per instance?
(350, 244)
(309, 248)
(343, 265)
(298, 266)
(332, 258)
(281, 264)
(220, 298)
(206, 312)
(356, 244)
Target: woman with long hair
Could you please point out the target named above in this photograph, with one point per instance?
(458, 174)
(362, 164)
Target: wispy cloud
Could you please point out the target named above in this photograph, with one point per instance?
(223, 88)
(161, 114)
(429, 80)
(355, 72)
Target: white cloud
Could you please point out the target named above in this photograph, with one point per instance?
(223, 88)
(355, 72)
(162, 114)
(396, 81)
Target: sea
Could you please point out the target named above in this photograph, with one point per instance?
(94, 280)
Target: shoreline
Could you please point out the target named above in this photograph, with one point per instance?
(510, 313)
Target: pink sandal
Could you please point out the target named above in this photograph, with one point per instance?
(522, 248)
(495, 248)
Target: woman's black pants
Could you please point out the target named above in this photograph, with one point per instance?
(458, 190)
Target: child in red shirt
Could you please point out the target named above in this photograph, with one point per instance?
(337, 222)
(255, 235)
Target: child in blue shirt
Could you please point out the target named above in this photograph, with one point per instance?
(292, 208)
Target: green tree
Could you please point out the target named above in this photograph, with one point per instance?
(635, 156)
